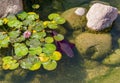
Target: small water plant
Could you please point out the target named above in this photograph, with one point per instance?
(30, 40)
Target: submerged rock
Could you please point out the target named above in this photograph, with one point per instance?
(10, 7)
(112, 76)
(97, 71)
(101, 16)
(93, 46)
(113, 59)
(75, 18)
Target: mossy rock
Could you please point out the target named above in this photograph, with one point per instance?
(74, 21)
(97, 71)
(93, 46)
(113, 76)
(90, 64)
(113, 59)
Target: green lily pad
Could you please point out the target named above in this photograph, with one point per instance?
(22, 15)
(27, 22)
(14, 66)
(25, 65)
(56, 55)
(4, 42)
(33, 42)
(20, 49)
(59, 20)
(31, 63)
(7, 58)
(9, 63)
(39, 26)
(32, 16)
(50, 65)
(35, 66)
(2, 36)
(14, 34)
(11, 17)
(14, 23)
(49, 39)
(35, 6)
(52, 16)
(52, 25)
(39, 35)
(1, 22)
(59, 37)
(49, 48)
(35, 50)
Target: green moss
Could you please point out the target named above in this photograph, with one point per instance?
(112, 76)
(74, 21)
(93, 46)
(113, 59)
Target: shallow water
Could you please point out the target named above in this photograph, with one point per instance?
(70, 70)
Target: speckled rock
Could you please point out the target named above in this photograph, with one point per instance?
(101, 16)
(113, 59)
(75, 18)
(93, 46)
(112, 76)
(10, 7)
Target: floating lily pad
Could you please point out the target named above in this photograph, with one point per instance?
(35, 6)
(53, 15)
(20, 49)
(52, 25)
(49, 48)
(56, 55)
(14, 23)
(35, 50)
(22, 15)
(33, 42)
(43, 57)
(59, 20)
(49, 40)
(9, 63)
(59, 37)
(39, 35)
(51, 65)
(14, 34)
(35, 66)
(1, 22)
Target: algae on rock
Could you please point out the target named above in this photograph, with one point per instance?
(93, 46)
(74, 21)
(113, 76)
(113, 59)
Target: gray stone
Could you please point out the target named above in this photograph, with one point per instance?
(101, 16)
(10, 7)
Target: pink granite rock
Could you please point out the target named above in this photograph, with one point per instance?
(10, 7)
(101, 16)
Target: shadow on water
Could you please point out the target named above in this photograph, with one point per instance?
(69, 70)
(115, 32)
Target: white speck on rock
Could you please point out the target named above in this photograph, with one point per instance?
(80, 11)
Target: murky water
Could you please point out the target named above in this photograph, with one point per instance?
(70, 70)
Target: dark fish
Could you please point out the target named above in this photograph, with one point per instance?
(64, 46)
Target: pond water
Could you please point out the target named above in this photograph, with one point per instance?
(71, 70)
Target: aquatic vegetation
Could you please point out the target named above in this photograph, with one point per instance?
(31, 41)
